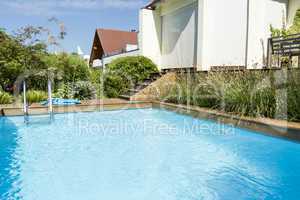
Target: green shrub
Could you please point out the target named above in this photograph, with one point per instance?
(36, 96)
(124, 73)
(65, 91)
(273, 94)
(114, 85)
(208, 92)
(293, 96)
(73, 68)
(133, 68)
(5, 98)
(82, 90)
(97, 81)
(264, 102)
(179, 92)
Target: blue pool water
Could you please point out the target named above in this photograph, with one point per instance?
(143, 154)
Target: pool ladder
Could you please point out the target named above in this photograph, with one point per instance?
(25, 104)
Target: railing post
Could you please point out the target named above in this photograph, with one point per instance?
(25, 106)
(269, 53)
(50, 107)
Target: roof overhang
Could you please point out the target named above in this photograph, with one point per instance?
(152, 5)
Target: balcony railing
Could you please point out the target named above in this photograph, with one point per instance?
(287, 46)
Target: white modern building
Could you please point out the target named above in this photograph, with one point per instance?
(206, 33)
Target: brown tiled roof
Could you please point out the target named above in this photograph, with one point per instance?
(109, 42)
(113, 41)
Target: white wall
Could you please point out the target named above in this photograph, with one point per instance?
(150, 35)
(263, 13)
(179, 37)
(97, 63)
(221, 33)
(109, 59)
(131, 47)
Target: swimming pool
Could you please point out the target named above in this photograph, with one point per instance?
(142, 154)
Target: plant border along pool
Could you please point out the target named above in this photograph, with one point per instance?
(277, 128)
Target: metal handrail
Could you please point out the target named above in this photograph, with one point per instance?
(50, 106)
(283, 46)
(25, 106)
(296, 34)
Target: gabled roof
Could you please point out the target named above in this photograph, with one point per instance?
(114, 40)
(110, 42)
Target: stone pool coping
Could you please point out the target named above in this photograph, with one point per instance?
(85, 106)
(274, 127)
(280, 128)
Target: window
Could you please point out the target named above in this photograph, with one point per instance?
(178, 37)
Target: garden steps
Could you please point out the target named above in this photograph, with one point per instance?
(125, 97)
(133, 91)
(140, 86)
(149, 89)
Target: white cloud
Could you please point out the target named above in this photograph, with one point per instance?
(122, 3)
(56, 7)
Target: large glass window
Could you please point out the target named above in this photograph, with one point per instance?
(178, 37)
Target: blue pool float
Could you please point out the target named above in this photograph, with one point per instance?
(63, 102)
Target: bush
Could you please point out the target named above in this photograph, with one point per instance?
(97, 81)
(81, 90)
(65, 91)
(124, 73)
(84, 91)
(5, 98)
(273, 94)
(73, 68)
(133, 68)
(36, 96)
(293, 96)
(114, 85)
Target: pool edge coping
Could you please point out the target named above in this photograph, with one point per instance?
(273, 127)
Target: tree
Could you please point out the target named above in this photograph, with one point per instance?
(24, 54)
(294, 29)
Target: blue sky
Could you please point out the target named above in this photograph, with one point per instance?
(80, 17)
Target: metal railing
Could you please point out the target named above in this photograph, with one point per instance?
(287, 46)
(25, 103)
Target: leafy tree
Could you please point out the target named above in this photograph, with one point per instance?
(74, 68)
(24, 54)
(294, 29)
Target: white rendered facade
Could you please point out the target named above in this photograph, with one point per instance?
(206, 33)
